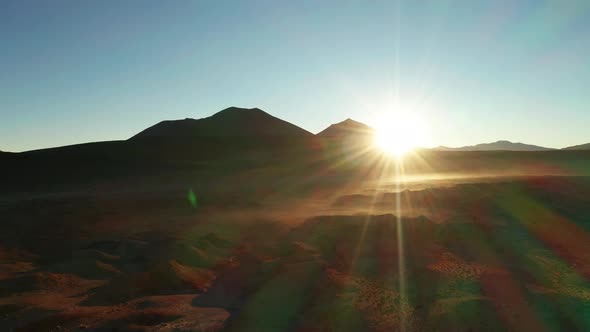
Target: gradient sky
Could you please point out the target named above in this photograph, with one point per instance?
(475, 71)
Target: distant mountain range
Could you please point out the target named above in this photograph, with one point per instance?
(241, 123)
(246, 139)
(496, 146)
(579, 147)
(508, 146)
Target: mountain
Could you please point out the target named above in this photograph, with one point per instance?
(496, 146)
(230, 122)
(349, 135)
(578, 147)
(444, 148)
(346, 128)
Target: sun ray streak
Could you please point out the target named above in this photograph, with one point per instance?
(382, 166)
(400, 245)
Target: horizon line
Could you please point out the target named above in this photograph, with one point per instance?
(433, 147)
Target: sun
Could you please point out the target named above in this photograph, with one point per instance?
(398, 134)
(391, 143)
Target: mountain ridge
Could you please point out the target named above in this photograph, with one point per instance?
(501, 145)
(253, 122)
(346, 128)
(578, 147)
(229, 122)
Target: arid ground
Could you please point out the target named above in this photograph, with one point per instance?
(313, 238)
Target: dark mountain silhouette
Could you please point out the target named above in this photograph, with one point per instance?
(349, 136)
(346, 128)
(496, 146)
(231, 122)
(578, 147)
(231, 140)
(242, 138)
(5, 154)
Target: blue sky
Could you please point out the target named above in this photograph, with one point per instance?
(475, 71)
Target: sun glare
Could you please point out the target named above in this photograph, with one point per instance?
(398, 134)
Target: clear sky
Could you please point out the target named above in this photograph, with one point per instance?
(475, 71)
